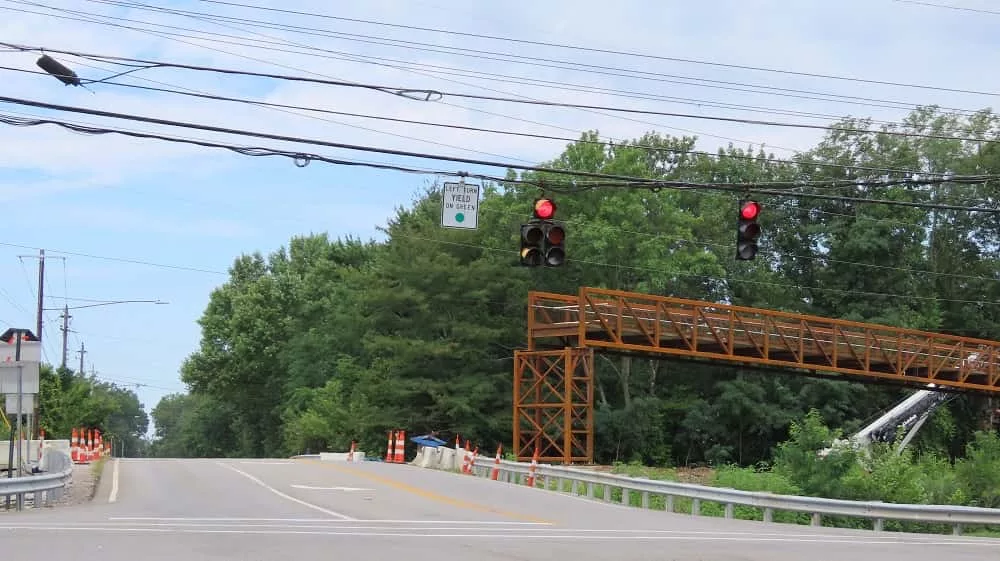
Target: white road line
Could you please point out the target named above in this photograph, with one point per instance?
(325, 520)
(283, 495)
(547, 537)
(311, 488)
(114, 484)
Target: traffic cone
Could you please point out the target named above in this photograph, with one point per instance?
(531, 470)
(399, 455)
(350, 455)
(74, 447)
(389, 447)
(495, 474)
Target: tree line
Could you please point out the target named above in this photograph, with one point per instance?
(325, 341)
(69, 400)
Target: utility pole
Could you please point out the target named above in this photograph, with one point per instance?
(41, 292)
(65, 335)
(82, 352)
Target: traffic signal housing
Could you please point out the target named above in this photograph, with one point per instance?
(747, 230)
(542, 238)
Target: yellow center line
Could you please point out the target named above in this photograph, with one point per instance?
(426, 494)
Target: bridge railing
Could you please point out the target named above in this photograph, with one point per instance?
(590, 482)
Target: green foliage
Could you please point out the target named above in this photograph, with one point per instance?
(324, 342)
(69, 400)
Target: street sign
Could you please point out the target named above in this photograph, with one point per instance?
(460, 206)
(8, 377)
(27, 404)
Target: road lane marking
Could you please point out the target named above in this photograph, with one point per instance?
(114, 484)
(429, 495)
(283, 495)
(841, 540)
(348, 489)
(323, 520)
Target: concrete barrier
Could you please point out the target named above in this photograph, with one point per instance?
(340, 456)
(29, 450)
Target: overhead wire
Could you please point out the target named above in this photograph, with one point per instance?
(613, 71)
(524, 134)
(783, 188)
(398, 135)
(411, 93)
(452, 32)
(172, 36)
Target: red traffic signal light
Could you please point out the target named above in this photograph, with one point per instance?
(750, 210)
(747, 230)
(545, 208)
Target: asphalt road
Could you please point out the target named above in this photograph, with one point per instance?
(258, 510)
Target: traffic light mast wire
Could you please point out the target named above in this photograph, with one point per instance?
(781, 189)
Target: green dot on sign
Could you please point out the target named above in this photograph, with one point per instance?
(459, 217)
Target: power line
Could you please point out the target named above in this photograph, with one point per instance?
(430, 95)
(108, 258)
(524, 134)
(436, 48)
(779, 188)
(435, 142)
(352, 58)
(605, 51)
(946, 6)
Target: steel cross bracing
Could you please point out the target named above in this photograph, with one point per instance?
(624, 321)
(553, 405)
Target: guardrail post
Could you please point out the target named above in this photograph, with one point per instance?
(607, 493)
(768, 515)
(729, 510)
(817, 519)
(575, 487)
(645, 499)
(956, 530)
(625, 496)
(670, 503)
(879, 524)
(590, 490)
(695, 507)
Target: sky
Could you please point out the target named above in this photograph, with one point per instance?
(126, 219)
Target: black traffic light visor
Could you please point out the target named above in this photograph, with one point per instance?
(750, 231)
(531, 256)
(555, 257)
(555, 235)
(531, 233)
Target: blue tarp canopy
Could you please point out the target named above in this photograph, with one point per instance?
(428, 440)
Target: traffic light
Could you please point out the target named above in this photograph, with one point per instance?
(542, 239)
(747, 230)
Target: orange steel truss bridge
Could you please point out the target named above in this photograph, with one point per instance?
(554, 378)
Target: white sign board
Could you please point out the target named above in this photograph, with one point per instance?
(27, 404)
(31, 351)
(460, 206)
(8, 377)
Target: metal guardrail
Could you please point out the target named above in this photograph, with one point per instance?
(44, 488)
(879, 512)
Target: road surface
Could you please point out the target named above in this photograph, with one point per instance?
(262, 510)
